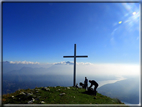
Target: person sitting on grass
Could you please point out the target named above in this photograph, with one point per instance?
(81, 84)
(77, 86)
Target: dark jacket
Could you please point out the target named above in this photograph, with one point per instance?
(86, 81)
(93, 83)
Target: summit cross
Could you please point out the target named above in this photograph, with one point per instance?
(74, 61)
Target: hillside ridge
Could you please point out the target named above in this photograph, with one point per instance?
(56, 95)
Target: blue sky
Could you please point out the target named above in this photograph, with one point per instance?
(45, 32)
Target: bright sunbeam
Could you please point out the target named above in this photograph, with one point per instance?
(131, 17)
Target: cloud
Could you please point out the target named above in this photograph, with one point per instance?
(82, 63)
(22, 62)
(71, 63)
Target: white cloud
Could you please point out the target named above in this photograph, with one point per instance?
(23, 62)
(82, 63)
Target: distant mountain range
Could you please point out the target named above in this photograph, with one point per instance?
(125, 90)
(35, 69)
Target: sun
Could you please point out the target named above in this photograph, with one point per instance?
(134, 13)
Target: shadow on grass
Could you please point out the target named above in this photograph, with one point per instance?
(89, 93)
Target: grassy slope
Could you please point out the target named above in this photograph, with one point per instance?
(72, 96)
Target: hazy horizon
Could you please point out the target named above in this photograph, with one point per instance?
(81, 68)
(109, 72)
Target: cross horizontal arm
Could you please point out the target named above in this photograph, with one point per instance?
(81, 56)
(73, 56)
(68, 56)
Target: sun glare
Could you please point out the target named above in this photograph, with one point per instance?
(134, 13)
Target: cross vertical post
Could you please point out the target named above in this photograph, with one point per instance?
(74, 82)
(74, 64)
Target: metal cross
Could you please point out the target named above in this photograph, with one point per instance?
(74, 62)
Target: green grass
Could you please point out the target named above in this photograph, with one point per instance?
(72, 96)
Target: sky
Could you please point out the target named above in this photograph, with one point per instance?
(108, 33)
